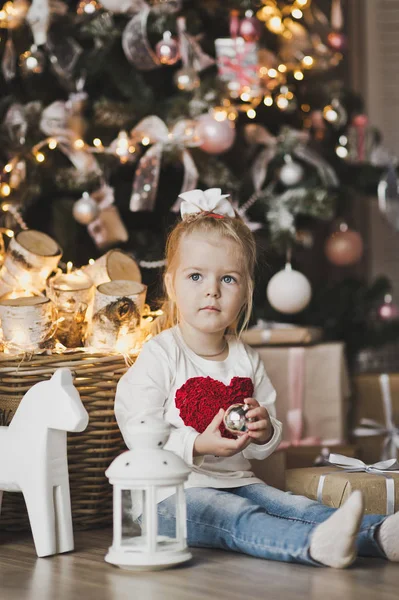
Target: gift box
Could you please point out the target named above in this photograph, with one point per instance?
(333, 485)
(312, 392)
(376, 412)
(261, 335)
(271, 470)
(238, 65)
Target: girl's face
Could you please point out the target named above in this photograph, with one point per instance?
(209, 283)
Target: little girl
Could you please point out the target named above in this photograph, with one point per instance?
(193, 370)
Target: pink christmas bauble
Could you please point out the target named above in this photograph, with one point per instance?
(216, 136)
(250, 29)
(336, 41)
(167, 50)
(344, 248)
(388, 311)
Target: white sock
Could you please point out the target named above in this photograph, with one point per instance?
(388, 537)
(333, 543)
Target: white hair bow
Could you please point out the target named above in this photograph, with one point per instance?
(212, 200)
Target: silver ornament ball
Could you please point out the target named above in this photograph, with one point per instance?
(85, 210)
(291, 173)
(32, 62)
(235, 418)
(186, 79)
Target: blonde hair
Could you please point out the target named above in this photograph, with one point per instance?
(232, 228)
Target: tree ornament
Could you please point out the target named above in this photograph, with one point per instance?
(216, 136)
(336, 41)
(289, 291)
(335, 114)
(291, 173)
(235, 418)
(167, 50)
(250, 28)
(388, 311)
(186, 79)
(32, 62)
(344, 247)
(87, 7)
(85, 210)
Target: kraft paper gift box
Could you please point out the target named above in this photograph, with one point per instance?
(376, 413)
(312, 388)
(338, 485)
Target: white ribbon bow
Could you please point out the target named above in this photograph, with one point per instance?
(257, 134)
(354, 465)
(183, 135)
(211, 200)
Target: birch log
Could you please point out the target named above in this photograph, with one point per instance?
(67, 290)
(116, 316)
(114, 265)
(31, 257)
(26, 322)
(72, 294)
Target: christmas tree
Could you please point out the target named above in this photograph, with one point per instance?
(108, 111)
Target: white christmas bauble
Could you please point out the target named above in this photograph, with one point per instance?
(291, 173)
(85, 210)
(289, 291)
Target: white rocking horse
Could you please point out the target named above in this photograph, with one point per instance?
(33, 458)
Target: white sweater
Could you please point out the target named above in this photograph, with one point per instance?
(149, 387)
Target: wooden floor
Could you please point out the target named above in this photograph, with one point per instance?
(216, 575)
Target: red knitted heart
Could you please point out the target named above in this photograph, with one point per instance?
(200, 398)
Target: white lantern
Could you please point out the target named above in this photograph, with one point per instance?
(143, 471)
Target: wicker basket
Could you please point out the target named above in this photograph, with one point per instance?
(89, 452)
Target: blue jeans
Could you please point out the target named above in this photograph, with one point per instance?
(258, 520)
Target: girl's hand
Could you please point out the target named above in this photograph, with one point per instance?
(261, 430)
(212, 442)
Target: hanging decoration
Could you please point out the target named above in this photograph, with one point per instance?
(291, 173)
(135, 43)
(238, 65)
(289, 291)
(167, 50)
(186, 78)
(335, 114)
(153, 132)
(344, 247)
(282, 206)
(32, 62)
(85, 210)
(9, 59)
(388, 310)
(290, 140)
(216, 136)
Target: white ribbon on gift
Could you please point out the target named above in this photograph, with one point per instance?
(256, 133)
(211, 201)
(389, 430)
(354, 465)
(145, 185)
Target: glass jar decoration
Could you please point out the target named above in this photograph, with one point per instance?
(142, 472)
